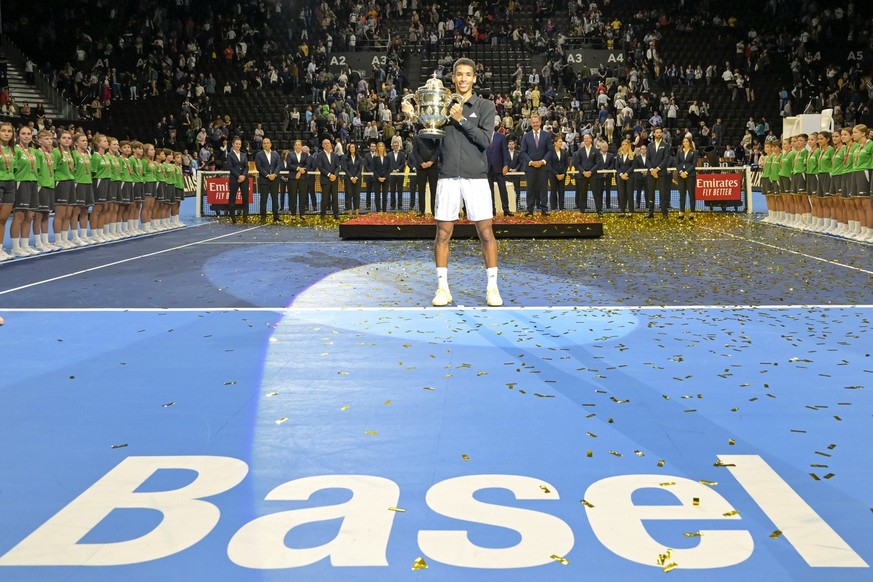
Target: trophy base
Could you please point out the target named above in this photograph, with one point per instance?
(432, 133)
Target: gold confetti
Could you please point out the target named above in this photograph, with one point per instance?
(671, 566)
(397, 509)
(589, 453)
(667, 484)
(639, 453)
(271, 394)
(419, 564)
(775, 534)
(168, 404)
(370, 432)
(231, 383)
(692, 534)
(558, 558)
(731, 442)
(615, 454)
(695, 500)
(121, 446)
(663, 558)
(719, 463)
(661, 463)
(545, 489)
(429, 388)
(281, 420)
(586, 504)
(731, 513)
(829, 475)
(710, 483)
(814, 476)
(387, 402)
(831, 447)
(344, 408)
(465, 457)
(343, 373)
(591, 434)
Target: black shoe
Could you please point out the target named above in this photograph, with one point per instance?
(545, 213)
(508, 214)
(302, 217)
(599, 215)
(650, 215)
(529, 213)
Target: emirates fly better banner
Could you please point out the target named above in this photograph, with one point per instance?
(719, 187)
(217, 191)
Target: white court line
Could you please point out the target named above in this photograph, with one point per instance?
(112, 264)
(426, 308)
(808, 256)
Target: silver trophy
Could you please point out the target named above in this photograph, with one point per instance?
(432, 103)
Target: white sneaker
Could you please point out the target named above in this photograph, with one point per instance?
(4, 256)
(442, 298)
(21, 252)
(493, 298)
(34, 250)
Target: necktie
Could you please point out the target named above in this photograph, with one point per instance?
(537, 139)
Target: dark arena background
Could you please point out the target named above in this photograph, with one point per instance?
(678, 382)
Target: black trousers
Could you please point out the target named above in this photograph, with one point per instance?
(269, 189)
(557, 191)
(381, 194)
(426, 177)
(686, 186)
(396, 189)
(283, 193)
(536, 189)
(604, 190)
(661, 184)
(497, 177)
(297, 195)
(583, 185)
(625, 194)
(353, 194)
(233, 188)
(330, 197)
(371, 187)
(310, 187)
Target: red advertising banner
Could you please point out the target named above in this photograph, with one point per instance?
(217, 191)
(719, 187)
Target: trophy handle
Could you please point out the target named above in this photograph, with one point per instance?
(455, 97)
(406, 99)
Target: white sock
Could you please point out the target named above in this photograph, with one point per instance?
(44, 238)
(442, 277)
(25, 243)
(492, 277)
(16, 243)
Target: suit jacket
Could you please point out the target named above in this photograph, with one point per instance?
(497, 152)
(687, 162)
(604, 161)
(237, 165)
(267, 166)
(381, 167)
(639, 164)
(513, 160)
(657, 156)
(328, 166)
(531, 152)
(292, 165)
(353, 167)
(425, 150)
(585, 161)
(624, 165)
(396, 165)
(555, 165)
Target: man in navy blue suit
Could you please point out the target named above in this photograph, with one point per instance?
(657, 158)
(534, 146)
(513, 162)
(238, 164)
(498, 165)
(604, 164)
(585, 162)
(268, 163)
(329, 164)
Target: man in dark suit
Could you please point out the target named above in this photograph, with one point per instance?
(268, 163)
(397, 166)
(604, 164)
(657, 158)
(534, 146)
(238, 182)
(311, 169)
(426, 153)
(514, 164)
(584, 160)
(557, 162)
(296, 166)
(369, 178)
(498, 166)
(329, 165)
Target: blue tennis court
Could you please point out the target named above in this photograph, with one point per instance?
(262, 403)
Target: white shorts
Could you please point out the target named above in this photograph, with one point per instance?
(474, 192)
